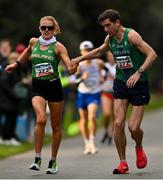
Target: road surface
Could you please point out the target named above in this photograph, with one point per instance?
(75, 165)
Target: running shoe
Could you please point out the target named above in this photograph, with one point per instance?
(110, 140)
(36, 164)
(93, 148)
(141, 158)
(52, 168)
(122, 168)
(87, 149)
(104, 138)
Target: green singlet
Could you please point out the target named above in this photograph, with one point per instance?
(128, 58)
(44, 62)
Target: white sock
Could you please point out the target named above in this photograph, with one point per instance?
(86, 141)
(38, 155)
(91, 138)
(53, 158)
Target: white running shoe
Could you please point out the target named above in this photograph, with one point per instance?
(14, 142)
(93, 148)
(52, 167)
(87, 149)
(36, 165)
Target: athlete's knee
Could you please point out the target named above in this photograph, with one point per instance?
(56, 127)
(133, 129)
(41, 120)
(119, 124)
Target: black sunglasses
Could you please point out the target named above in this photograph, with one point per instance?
(49, 28)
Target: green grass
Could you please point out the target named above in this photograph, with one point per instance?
(6, 151)
(9, 150)
(156, 102)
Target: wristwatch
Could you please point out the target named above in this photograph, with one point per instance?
(140, 71)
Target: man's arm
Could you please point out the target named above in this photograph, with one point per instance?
(96, 53)
(136, 40)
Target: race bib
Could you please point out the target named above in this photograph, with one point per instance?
(43, 69)
(124, 62)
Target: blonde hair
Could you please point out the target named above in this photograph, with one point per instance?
(55, 23)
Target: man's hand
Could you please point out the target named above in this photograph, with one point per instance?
(72, 69)
(76, 61)
(133, 79)
(74, 65)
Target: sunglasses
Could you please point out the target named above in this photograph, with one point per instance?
(49, 28)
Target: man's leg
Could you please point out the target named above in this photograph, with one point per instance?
(92, 113)
(84, 129)
(134, 125)
(120, 109)
(137, 135)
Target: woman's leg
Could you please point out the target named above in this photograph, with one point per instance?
(39, 105)
(56, 111)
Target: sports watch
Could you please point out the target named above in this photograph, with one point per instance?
(140, 71)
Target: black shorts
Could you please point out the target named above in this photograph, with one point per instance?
(137, 95)
(50, 90)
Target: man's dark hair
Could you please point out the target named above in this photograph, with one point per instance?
(110, 14)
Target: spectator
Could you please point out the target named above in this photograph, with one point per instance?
(9, 107)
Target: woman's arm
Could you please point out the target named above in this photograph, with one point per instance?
(62, 54)
(22, 58)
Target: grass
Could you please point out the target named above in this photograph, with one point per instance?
(9, 150)
(6, 151)
(156, 102)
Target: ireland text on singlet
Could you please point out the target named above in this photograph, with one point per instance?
(128, 58)
(44, 62)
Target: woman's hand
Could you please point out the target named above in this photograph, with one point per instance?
(11, 67)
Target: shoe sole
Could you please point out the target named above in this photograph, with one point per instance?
(116, 171)
(141, 167)
(49, 172)
(34, 168)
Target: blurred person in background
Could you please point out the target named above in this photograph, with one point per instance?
(9, 102)
(107, 99)
(88, 97)
(5, 50)
(46, 53)
(133, 58)
(26, 110)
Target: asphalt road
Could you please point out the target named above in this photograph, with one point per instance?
(75, 165)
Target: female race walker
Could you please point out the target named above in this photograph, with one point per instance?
(46, 53)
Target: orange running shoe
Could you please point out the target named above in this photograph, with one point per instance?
(122, 168)
(141, 158)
